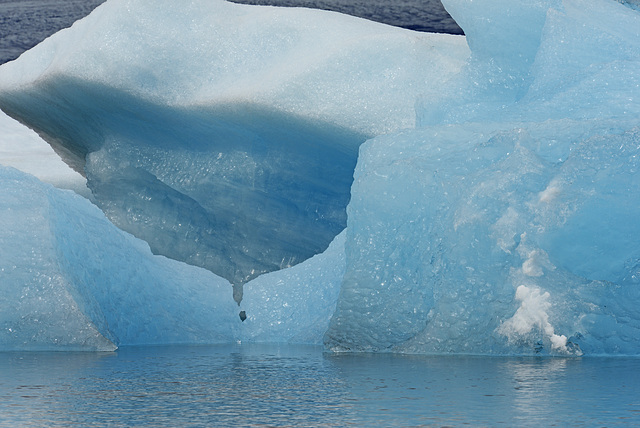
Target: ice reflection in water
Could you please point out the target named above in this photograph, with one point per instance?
(300, 386)
(534, 384)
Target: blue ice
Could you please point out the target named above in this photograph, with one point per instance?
(488, 184)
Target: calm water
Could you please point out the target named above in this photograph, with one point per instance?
(25, 23)
(420, 15)
(252, 385)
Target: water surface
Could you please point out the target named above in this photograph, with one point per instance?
(419, 15)
(259, 385)
(25, 23)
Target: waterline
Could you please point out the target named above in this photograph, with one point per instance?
(260, 385)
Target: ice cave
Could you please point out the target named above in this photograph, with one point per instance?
(330, 179)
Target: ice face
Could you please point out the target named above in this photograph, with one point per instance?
(239, 192)
(514, 230)
(483, 212)
(224, 135)
(71, 280)
(573, 65)
(38, 309)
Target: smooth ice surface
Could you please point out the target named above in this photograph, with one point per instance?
(577, 60)
(224, 135)
(71, 280)
(508, 222)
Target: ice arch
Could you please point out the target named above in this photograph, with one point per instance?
(237, 189)
(224, 135)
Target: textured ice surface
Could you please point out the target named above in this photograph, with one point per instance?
(37, 306)
(505, 222)
(72, 280)
(633, 4)
(224, 135)
(295, 304)
(483, 212)
(508, 223)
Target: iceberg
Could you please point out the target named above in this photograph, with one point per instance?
(358, 185)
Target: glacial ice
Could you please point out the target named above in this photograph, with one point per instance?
(492, 209)
(295, 305)
(234, 126)
(516, 228)
(482, 213)
(72, 280)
